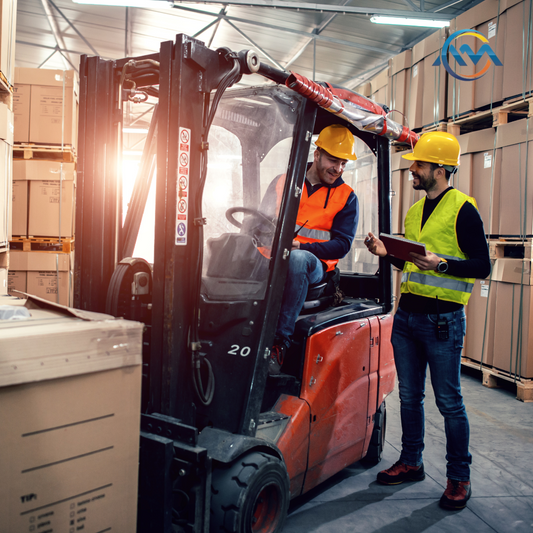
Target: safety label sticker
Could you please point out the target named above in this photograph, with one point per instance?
(182, 187)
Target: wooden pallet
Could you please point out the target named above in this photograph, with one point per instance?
(491, 377)
(441, 126)
(511, 247)
(42, 244)
(44, 151)
(488, 118)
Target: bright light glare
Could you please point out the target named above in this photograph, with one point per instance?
(134, 130)
(155, 4)
(400, 21)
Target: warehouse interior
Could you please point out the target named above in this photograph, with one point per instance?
(61, 209)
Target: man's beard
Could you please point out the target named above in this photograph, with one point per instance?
(427, 184)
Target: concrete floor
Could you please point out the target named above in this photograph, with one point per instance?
(501, 443)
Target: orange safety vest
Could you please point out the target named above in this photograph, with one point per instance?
(316, 213)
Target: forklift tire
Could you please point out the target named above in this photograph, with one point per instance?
(377, 441)
(250, 495)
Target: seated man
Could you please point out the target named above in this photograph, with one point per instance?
(326, 224)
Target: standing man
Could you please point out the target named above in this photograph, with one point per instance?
(325, 226)
(429, 325)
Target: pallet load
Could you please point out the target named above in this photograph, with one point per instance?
(44, 185)
(70, 398)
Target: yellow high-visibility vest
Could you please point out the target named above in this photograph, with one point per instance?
(440, 237)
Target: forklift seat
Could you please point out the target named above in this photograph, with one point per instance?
(322, 294)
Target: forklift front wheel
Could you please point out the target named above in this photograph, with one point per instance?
(251, 495)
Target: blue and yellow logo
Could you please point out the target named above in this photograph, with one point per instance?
(465, 49)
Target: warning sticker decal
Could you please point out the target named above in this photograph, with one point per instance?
(182, 187)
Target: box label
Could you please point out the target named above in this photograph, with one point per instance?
(484, 290)
(492, 29)
(487, 160)
(415, 71)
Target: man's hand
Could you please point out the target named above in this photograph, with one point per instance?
(375, 246)
(295, 245)
(425, 262)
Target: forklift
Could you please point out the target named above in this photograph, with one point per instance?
(224, 447)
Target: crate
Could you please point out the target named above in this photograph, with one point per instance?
(481, 119)
(492, 377)
(41, 244)
(56, 152)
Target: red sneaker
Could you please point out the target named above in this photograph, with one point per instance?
(400, 472)
(456, 494)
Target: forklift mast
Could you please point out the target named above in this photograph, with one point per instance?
(210, 311)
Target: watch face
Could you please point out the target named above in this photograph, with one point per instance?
(442, 266)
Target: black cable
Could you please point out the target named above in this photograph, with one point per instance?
(205, 395)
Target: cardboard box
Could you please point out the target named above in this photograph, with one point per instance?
(16, 281)
(480, 316)
(51, 206)
(415, 92)
(8, 25)
(20, 208)
(486, 172)
(513, 337)
(516, 188)
(3, 281)
(461, 92)
(516, 78)
(70, 415)
(434, 81)
(21, 112)
(365, 89)
(49, 275)
(409, 195)
(53, 105)
(396, 201)
(380, 88)
(511, 270)
(471, 143)
(6, 202)
(400, 73)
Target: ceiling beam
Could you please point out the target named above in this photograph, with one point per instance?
(320, 8)
(319, 29)
(55, 30)
(93, 50)
(393, 49)
(255, 45)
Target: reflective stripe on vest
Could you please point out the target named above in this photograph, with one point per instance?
(440, 237)
(452, 284)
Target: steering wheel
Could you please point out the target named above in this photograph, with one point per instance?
(253, 212)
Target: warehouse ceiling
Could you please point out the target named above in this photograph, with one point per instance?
(332, 41)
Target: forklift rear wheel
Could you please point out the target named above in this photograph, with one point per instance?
(251, 495)
(377, 441)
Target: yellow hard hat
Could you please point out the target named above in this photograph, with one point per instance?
(436, 147)
(337, 141)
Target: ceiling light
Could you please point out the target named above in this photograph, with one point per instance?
(134, 130)
(154, 4)
(401, 21)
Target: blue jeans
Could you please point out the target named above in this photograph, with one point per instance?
(416, 346)
(304, 269)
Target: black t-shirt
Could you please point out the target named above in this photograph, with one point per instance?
(472, 241)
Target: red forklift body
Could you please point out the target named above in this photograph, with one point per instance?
(224, 446)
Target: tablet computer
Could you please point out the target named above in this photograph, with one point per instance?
(400, 248)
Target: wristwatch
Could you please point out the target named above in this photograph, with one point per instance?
(442, 267)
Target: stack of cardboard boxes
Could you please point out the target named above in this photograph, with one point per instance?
(44, 183)
(496, 165)
(8, 14)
